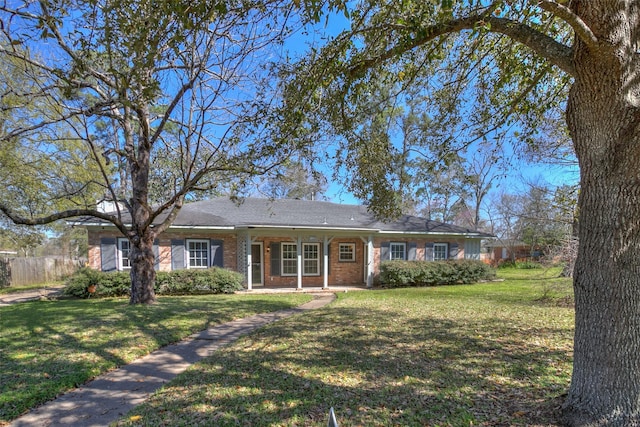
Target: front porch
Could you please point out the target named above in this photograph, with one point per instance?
(306, 289)
(305, 261)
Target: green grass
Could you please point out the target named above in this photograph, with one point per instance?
(47, 347)
(488, 354)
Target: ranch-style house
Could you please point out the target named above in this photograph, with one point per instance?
(287, 243)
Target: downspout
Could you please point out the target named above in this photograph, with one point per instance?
(299, 247)
(325, 283)
(249, 261)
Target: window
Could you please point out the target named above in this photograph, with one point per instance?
(398, 251)
(311, 259)
(347, 252)
(124, 249)
(198, 253)
(440, 251)
(289, 259)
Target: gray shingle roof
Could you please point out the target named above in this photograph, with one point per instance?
(289, 213)
(256, 212)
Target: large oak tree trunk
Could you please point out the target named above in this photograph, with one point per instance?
(143, 274)
(604, 120)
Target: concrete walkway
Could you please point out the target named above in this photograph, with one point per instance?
(110, 396)
(33, 295)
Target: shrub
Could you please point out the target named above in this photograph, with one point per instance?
(179, 282)
(432, 273)
(107, 284)
(521, 265)
(528, 265)
(210, 281)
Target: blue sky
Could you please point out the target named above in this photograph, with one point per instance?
(516, 177)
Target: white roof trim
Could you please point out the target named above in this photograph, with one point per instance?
(431, 233)
(304, 227)
(294, 227)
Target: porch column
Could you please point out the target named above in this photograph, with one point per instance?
(370, 262)
(249, 260)
(325, 264)
(299, 246)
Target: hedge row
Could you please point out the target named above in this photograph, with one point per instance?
(395, 274)
(179, 282)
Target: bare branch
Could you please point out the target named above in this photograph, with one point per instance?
(48, 219)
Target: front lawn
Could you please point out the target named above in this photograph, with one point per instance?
(47, 347)
(485, 354)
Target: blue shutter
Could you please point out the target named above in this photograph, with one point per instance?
(217, 253)
(177, 255)
(453, 250)
(428, 251)
(275, 258)
(411, 255)
(108, 250)
(156, 255)
(384, 251)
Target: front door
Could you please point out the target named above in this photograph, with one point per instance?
(256, 264)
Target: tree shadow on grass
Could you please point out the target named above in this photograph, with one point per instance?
(47, 348)
(375, 368)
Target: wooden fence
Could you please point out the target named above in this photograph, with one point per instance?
(25, 271)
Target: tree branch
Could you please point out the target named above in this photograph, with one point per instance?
(579, 26)
(545, 46)
(48, 219)
(50, 21)
(179, 201)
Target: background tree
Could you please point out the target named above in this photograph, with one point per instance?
(483, 171)
(544, 225)
(21, 239)
(131, 85)
(441, 193)
(504, 66)
(295, 181)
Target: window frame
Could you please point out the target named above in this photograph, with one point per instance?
(207, 252)
(403, 245)
(121, 254)
(305, 259)
(352, 254)
(285, 269)
(289, 259)
(446, 251)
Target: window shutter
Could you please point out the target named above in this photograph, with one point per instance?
(275, 259)
(156, 255)
(108, 251)
(472, 249)
(328, 260)
(428, 251)
(384, 251)
(411, 254)
(453, 250)
(217, 253)
(177, 255)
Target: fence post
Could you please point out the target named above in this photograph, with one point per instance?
(5, 279)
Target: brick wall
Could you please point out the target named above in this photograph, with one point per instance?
(340, 273)
(164, 247)
(420, 247)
